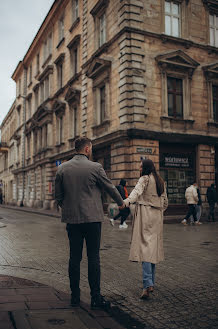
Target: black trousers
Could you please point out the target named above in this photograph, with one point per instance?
(211, 211)
(191, 211)
(91, 232)
(123, 213)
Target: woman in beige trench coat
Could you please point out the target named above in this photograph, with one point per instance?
(149, 196)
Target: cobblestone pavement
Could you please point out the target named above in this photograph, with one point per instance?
(35, 247)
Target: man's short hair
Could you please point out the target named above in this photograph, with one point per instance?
(81, 142)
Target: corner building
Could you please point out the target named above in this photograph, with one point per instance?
(138, 77)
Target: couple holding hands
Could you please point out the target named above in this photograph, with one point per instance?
(78, 187)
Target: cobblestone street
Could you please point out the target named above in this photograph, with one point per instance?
(35, 247)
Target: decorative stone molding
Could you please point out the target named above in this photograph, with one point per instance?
(100, 6)
(97, 66)
(211, 5)
(72, 96)
(59, 108)
(60, 59)
(211, 74)
(74, 42)
(48, 70)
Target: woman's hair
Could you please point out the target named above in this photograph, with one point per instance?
(148, 168)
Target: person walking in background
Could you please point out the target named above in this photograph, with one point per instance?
(198, 207)
(191, 196)
(78, 186)
(151, 200)
(123, 213)
(211, 199)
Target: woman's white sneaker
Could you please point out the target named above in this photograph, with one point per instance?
(111, 221)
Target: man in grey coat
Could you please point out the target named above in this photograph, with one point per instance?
(78, 186)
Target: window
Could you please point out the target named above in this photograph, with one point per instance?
(102, 30)
(61, 28)
(74, 60)
(172, 18)
(73, 119)
(75, 9)
(29, 104)
(213, 30)
(37, 63)
(47, 47)
(30, 73)
(102, 104)
(215, 102)
(175, 97)
(60, 129)
(42, 95)
(46, 87)
(19, 88)
(36, 98)
(18, 117)
(60, 74)
(28, 145)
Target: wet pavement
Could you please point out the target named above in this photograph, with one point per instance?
(35, 247)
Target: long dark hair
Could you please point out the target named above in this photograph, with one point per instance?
(148, 168)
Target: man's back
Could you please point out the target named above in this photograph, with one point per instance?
(78, 190)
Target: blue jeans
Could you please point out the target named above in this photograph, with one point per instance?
(148, 271)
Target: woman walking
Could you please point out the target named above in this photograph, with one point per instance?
(150, 197)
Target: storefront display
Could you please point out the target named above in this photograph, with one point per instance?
(178, 172)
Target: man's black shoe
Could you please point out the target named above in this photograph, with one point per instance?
(75, 301)
(99, 302)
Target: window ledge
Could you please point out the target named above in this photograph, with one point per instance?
(213, 124)
(58, 92)
(30, 84)
(46, 61)
(75, 23)
(74, 78)
(59, 144)
(177, 119)
(101, 128)
(72, 139)
(60, 42)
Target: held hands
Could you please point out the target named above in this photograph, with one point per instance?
(122, 207)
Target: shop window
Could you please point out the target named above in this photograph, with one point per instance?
(215, 102)
(213, 22)
(172, 18)
(175, 97)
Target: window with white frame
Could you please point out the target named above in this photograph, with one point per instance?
(215, 102)
(61, 28)
(59, 120)
(75, 9)
(172, 18)
(175, 97)
(102, 29)
(29, 104)
(37, 63)
(60, 74)
(73, 121)
(213, 19)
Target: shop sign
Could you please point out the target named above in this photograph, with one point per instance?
(177, 161)
(144, 150)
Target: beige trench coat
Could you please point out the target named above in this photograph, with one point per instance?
(147, 231)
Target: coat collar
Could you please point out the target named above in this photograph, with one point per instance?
(79, 156)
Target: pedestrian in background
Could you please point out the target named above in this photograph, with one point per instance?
(151, 200)
(191, 196)
(212, 199)
(78, 186)
(123, 213)
(198, 207)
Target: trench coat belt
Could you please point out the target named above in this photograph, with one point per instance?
(147, 203)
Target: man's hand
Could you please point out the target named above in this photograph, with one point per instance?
(122, 207)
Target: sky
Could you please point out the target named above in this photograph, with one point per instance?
(19, 23)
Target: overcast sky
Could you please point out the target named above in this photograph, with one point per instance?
(19, 23)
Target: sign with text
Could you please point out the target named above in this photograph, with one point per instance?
(177, 161)
(145, 150)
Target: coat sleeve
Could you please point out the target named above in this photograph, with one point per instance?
(105, 183)
(195, 194)
(165, 200)
(137, 191)
(59, 191)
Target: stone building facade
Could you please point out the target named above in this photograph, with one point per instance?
(140, 78)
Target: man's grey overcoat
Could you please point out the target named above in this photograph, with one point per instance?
(147, 232)
(78, 187)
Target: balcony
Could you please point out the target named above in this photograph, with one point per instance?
(3, 147)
